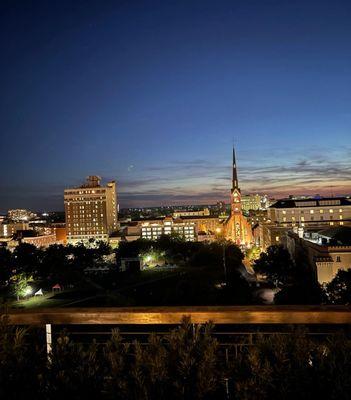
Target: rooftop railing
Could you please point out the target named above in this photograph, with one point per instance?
(235, 327)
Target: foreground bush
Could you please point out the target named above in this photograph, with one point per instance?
(21, 363)
(188, 363)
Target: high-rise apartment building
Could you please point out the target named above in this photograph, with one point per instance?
(91, 211)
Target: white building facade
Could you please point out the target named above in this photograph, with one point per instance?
(154, 229)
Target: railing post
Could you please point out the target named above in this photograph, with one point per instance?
(227, 393)
(227, 356)
(48, 339)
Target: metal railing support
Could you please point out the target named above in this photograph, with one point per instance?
(48, 339)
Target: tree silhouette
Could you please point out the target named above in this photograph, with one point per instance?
(276, 264)
(338, 291)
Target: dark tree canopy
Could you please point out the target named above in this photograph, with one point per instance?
(339, 289)
(300, 293)
(276, 264)
(26, 258)
(6, 265)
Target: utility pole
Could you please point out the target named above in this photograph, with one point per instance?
(222, 240)
(224, 264)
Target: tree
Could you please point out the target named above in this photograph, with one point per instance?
(276, 264)
(300, 293)
(338, 291)
(102, 249)
(253, 253)
(20, 285)
(234, 257)
(26, 258)
(56, 265)
(303, 287)
(6, 266)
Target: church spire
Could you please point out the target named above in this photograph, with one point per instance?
(235, 183)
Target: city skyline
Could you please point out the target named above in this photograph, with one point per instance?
(154, 94)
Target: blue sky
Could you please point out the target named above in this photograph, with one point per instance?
(154, 93)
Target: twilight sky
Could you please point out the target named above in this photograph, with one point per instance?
(153, 94)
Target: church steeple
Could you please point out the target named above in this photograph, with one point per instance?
(237, 228)
(235, 183)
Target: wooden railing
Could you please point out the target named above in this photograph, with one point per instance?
(256, 315)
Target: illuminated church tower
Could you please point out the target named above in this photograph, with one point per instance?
(238, 229)
(235, 191)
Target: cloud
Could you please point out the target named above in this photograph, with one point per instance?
(197, 180)
(277, 172)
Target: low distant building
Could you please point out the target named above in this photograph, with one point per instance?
(254, 202)
(191, 227)
(191, 213)
(332, 211)
(154, 229)
(132, 231)
(207, 237)
(207, 224)
(61, 234)
(130, 264)
(328, 251)
(308, 213)
(40, 241)
(20, 215)
(8, 229)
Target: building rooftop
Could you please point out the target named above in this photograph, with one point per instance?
(340, 235)
(318, 202)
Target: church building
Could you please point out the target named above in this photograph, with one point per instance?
(238, 229)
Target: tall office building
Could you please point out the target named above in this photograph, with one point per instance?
(91, 211)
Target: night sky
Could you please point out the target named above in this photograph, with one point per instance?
(154, 93)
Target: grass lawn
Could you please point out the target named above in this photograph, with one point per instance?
(150, 287)
(38, 301)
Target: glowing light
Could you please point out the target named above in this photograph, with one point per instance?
(28, 291)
